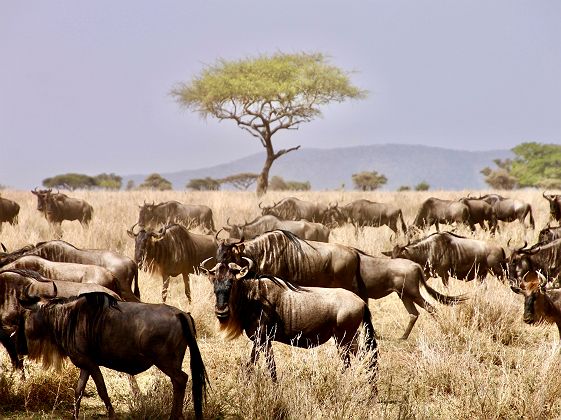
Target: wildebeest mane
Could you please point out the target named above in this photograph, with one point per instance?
(285, 284)
(175, 249)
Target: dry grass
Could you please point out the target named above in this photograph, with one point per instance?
(475, 360)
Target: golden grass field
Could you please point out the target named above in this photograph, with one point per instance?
(474, 360)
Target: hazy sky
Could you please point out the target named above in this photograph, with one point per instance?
(84, 86)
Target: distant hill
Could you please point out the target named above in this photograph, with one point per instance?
(445, 169)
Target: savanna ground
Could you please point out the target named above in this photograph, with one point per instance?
(474, 360)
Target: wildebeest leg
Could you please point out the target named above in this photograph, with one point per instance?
(179, 382)
(79, 390)
(57, 230)
(165, 286)
(187, 286)
(134, 386)
(436, 226)
(445, 276)
(102, 389)
(346, 345)
(413, 315)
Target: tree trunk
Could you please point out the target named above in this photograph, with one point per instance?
(263, 180)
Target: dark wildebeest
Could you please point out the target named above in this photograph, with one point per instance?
(270, 309)
(540, 304)
(292, 208)
(509, 209)
(383, 276)
(543, 257)
(548, 234)
(307, 263)
(15, 281)
(58, 207)
(152, 216)
(9, 211)
(445, 254)
(94, 330)
(76, 273)
(366, 213)
(434, 211)
(480, 212)
(123, 268)
(554, 206)
(301, 228)
(170, 252)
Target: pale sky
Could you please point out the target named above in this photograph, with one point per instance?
(84, 86)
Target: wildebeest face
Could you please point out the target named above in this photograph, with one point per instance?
(234, 231)
(518, 266)
(225, 278)
(333, 216)
(142, 241)
(42, 197)
(146, 214)
(229, 252)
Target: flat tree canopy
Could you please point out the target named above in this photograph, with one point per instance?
(266, 94)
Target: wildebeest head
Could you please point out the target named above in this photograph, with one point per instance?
(42, 198)
(399, 251)
(265, 210)
(229, 251)
(333, 216)
(144, 241)
(519, 263)
(533, 289)
(235, 231)
(225, 278)
(554, 205)
(146, 215)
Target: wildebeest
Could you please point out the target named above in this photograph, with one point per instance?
(15, 281)
(123, 268)
(543, 257)
(540, 304)
(382, 276)
(301, 228)
(9, 211)
(554, 206)
(292, 208)
(270, 309)
(480, 212)
(76, 273)
(366, 213)
(170, 252)
(96, 330)
(58, 207)
(509, 209)
(152, 216)
(434, 211)
(445, 254)
(306, 263)
(548, 234)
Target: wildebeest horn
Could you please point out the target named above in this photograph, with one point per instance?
(508, 242)
(259, 205)
(548, 198)
(250, 263)
(228, 222)
(216, 236)
(234, 266)
(523, 246)
(202, 265)
(160, 235)
(4, 247)
(131, 231)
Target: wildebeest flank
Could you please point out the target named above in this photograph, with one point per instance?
(366, 213)
(152, 216)
(301, 228)
(9, 211)
(292, 208)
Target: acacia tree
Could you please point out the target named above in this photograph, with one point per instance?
(266, 94)
(369, 181)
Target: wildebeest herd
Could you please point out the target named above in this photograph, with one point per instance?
(276, 278)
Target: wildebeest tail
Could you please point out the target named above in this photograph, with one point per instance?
(198, 371)
(442, 298)
(370, 339)
(532, 224)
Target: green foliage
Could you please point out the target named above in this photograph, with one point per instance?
(204, 184)
(277, 183)
(265, 94)
(422, 186)
(537, 164)
(108, 181)
(369, 181)
(155, 182)
(241, 181)
(404, 188)
(70, 181)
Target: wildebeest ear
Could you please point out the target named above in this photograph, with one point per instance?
(516, 289)
(387, 253)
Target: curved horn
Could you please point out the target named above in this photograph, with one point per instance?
(228, 222)
(523, 246)
(234, 266)
(202, 265)
(259, 205)
(547, 197)
(543, 279)
(131, 231)
(508, 242)
(250, 263)
(160, 235)
(216, 236)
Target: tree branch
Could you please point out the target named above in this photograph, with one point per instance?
(284, 152)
